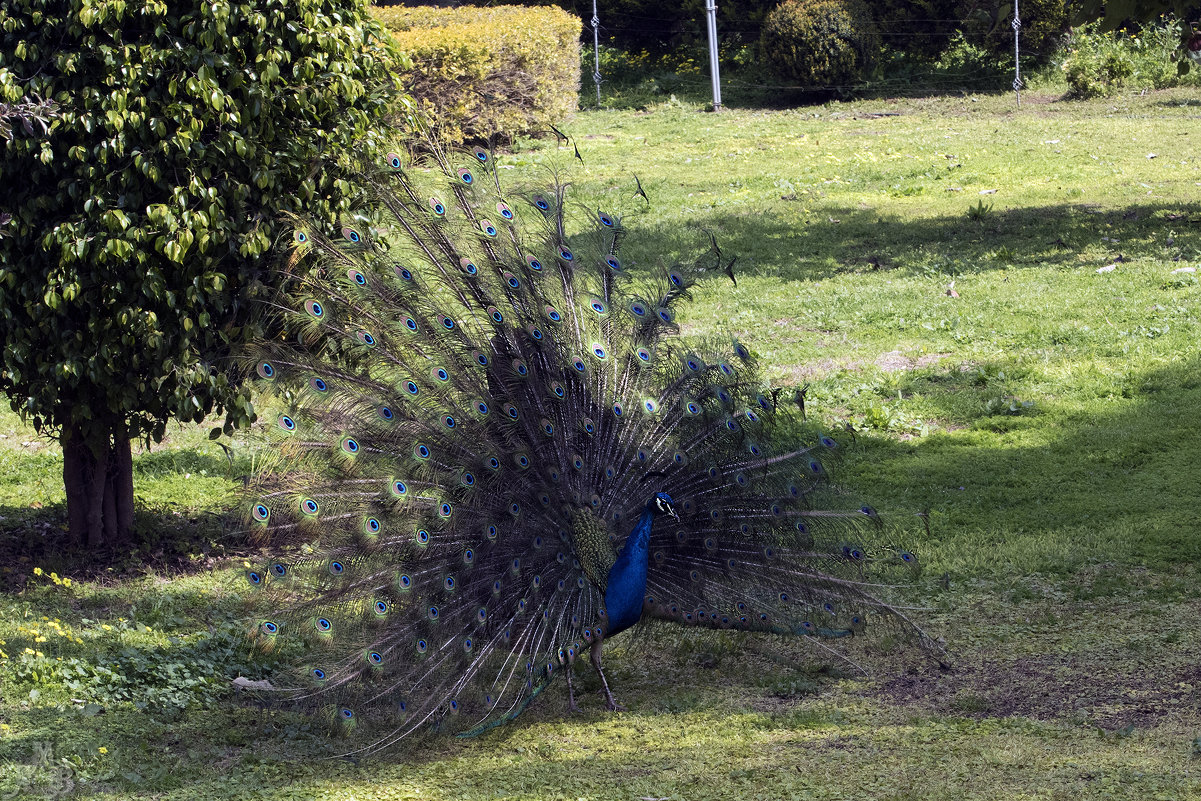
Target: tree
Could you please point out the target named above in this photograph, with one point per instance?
(144, 220)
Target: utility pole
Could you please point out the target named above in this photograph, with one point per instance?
(714, 74)
(596, 76)
(1017, 66)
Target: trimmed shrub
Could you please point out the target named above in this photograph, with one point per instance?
(479, 72)
(820, 43)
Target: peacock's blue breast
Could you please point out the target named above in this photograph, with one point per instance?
(624, 593)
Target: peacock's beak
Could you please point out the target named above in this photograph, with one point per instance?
(671, 510)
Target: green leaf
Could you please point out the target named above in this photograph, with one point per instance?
(171, 159)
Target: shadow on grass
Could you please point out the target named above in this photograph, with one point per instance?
(851, 240)
(160, 751)
(166, 540)
(1180, 102)
(167, 536)
(1010, 495)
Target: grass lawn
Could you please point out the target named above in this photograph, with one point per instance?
(1001, 302)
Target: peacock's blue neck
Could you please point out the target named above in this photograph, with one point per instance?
(626, 585)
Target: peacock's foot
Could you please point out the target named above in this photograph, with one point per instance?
(610, 702)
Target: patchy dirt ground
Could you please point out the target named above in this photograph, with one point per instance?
(896, 360)
(1118, 649)
(1111, 696)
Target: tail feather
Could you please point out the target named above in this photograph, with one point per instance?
(477, 399)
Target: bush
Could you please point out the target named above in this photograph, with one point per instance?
(478, 72)
(972, 65)
(1097, 66)
(960, 67)
(1154, 50)
(1097, 63)
(820, 43)
(144, 219)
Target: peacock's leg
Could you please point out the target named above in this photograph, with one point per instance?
(610, 701)
(571, 707)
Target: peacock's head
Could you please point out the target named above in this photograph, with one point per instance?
(661, 502)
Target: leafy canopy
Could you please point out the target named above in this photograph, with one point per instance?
(145, 218)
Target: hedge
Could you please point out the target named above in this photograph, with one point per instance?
(482, 72)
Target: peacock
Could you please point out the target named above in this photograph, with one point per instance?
(499, 455)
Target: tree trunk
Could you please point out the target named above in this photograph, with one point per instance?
(99, 481)
(122, 473)
(76, 483)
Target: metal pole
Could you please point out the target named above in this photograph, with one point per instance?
(596, 76)
(714, 74)
(1017, 66)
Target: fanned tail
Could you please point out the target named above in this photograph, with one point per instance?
(474, 400)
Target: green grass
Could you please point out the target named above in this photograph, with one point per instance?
(851, 227)
(1045, 417)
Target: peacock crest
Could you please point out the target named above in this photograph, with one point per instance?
(503, 455)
